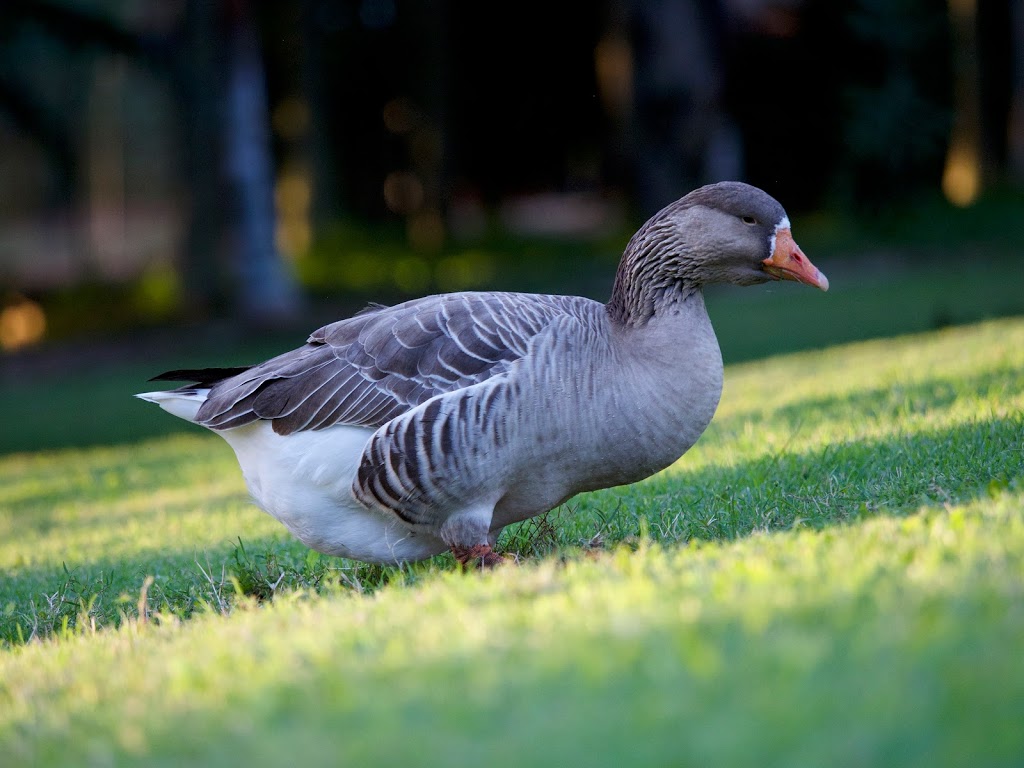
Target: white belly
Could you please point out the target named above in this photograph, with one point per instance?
(305, 480)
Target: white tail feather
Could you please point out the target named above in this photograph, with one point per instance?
(184, 405)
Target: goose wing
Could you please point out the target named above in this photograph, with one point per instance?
(457, 452)
(372, 367)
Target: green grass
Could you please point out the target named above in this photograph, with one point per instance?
(834, 576)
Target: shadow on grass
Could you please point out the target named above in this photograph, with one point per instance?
(46, 600)
(69, 400)
(835, 485)
(840, 483)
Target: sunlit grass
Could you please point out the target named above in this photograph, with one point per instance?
(72, 505)
(834, 575)
(892, 642)
(868, 391)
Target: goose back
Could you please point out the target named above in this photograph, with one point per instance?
(370, 368)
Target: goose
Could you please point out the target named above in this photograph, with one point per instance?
(406, 431)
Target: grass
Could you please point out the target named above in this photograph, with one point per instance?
(833, 576)
(893, 643)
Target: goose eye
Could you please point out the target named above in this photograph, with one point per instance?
(748, 220)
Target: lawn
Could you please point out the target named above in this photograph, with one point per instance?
(833, 576)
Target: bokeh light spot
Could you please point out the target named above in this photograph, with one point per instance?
(22, 323)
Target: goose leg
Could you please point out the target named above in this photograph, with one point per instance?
(468, 535)
(480, 556)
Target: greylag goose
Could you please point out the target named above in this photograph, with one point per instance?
(406, 431)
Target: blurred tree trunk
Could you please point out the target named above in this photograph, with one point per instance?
(965, 169)
(320, 153)
(231, 258)
(683, 135)
(196, 68)
(266, 290)
(1015, 128)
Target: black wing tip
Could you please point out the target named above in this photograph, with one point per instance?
(204, 376)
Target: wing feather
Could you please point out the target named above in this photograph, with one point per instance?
(382, 362)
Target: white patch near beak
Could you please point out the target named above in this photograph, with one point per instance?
(784, 224)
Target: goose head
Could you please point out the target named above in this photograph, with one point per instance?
(728, 232)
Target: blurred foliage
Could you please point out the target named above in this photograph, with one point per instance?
(927, 224)
(376, 261)
(96, 307)
(898, 109)
(353, 263)
(839, 106)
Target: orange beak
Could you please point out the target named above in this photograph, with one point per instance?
(788, 262)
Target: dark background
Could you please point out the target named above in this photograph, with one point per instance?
(187, 161)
